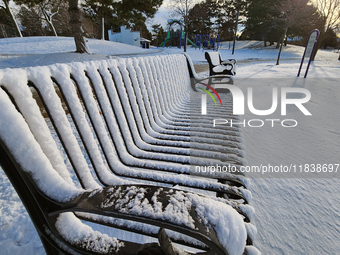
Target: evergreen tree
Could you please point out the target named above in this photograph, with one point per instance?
(225, 13)
(141, 27)
(260, 19)
(273, 20)
(121, 12)
(4, 17)
(31, 21)
(157, 34)
(200, 18)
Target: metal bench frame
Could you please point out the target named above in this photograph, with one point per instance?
(217, 66)
(156, 115)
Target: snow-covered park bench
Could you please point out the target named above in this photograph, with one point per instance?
(217, 66)
(101, 155)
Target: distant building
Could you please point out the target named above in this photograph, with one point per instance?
(125, 36)
(145, 43)
(295, 39)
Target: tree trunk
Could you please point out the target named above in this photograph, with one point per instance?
(236, 25)
(52, 27)
(279, 42)
(264, 41)
(103, 29)
(77, 30)
(12, 18)
(282, 41)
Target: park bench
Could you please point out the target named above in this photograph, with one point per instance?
(212, 80)
(217, 66)
(114, 143)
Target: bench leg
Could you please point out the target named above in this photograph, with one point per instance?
(50, 249)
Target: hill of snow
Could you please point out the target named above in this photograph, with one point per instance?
(51, 44)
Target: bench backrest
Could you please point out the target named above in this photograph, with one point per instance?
(215, 58)
(98, 111)
(95, 155)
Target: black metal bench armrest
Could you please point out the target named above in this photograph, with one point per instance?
(167, 208)
(229, 61)
(218, 76)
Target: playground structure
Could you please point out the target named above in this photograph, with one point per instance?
(177, 38)
(207, 41)
(178, 35)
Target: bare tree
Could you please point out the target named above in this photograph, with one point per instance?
(49, 10)
(181, 8)
(77, 30)
(292, 13)
(31, 21)
(34, 22)
(329, 11)
(10, 13)
(338, 31)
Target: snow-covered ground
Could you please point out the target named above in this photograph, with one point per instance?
(293, 215)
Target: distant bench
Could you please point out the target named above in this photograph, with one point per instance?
(115, 143)
(217, 66)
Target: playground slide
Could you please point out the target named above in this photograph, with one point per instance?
(163, 43)
(191, 42)
(168, 36)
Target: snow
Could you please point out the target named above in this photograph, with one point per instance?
(23, 146)
(251, 250)
(72, 230)
(50, 50)
(50, 44)
(227, 223)
(293, 215)
(230, 227)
